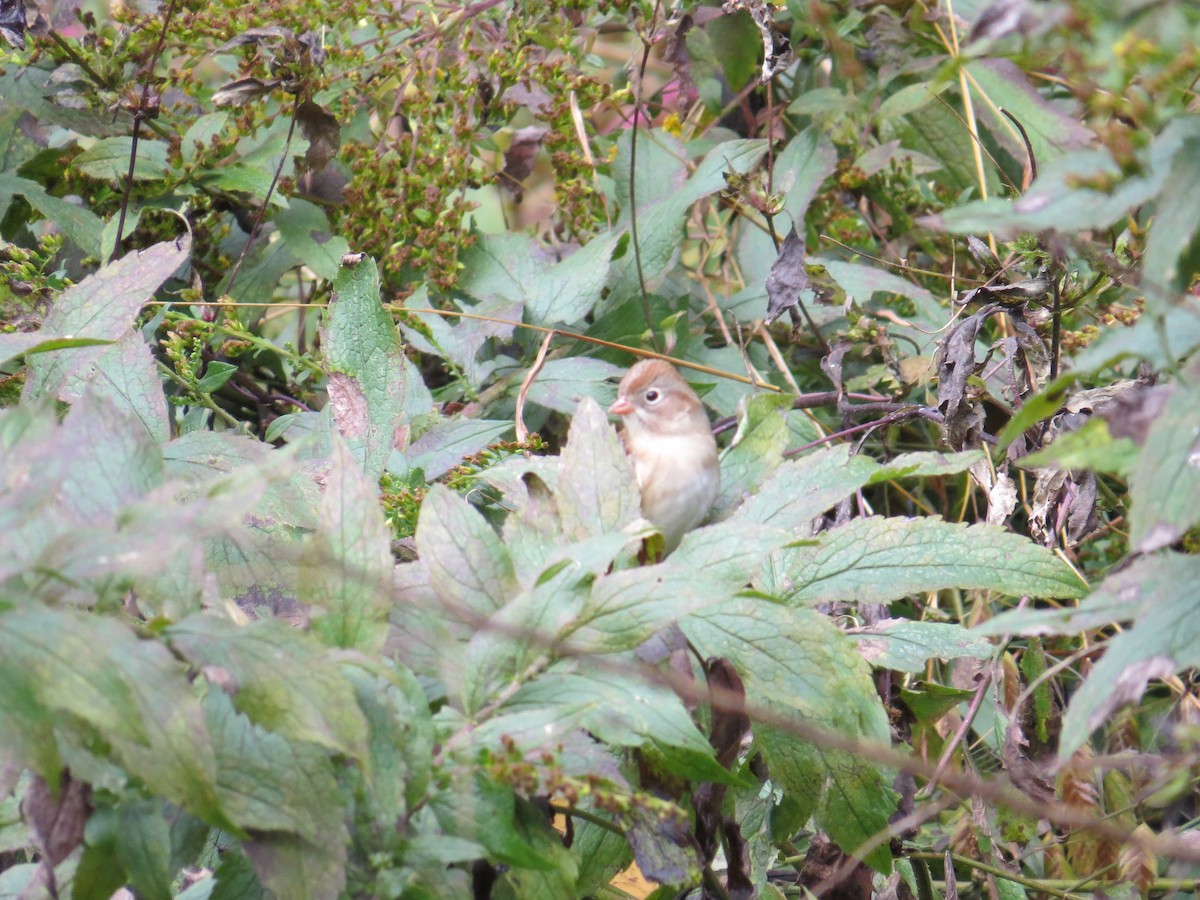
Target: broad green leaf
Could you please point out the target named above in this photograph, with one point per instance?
(938, 131)
(862, 282)
(449, 441)
(906, 645)
(108, 159)
(123, 463)
(1040, 406)
(512, 639)
(1129, 595)
(909, 99)
(299, 868)
(513, 831)
(513, 267)
(461, 343)
(348, 577)
(259, 275)
(216, 373)
(1163, 640)
(101, 306)
(81, 225)
(1063, 197)
(627, 607)
(366, 366)
(284, 680)
(800, 170)
(469, 569)
(796, 664)
(400, 741)
(268, 783)
(803, 488)
(26, 343)
(619, 709)
(1164, 490)
(755, 452)
(730, 551)
(660, 221)
(662, 167)
(1170, 260)
(308, 234)
(562, 383)
(596, 490)
(65, 667)
(1090, 447)
(127, 375)
(200, 134)
(926, 464)
(1052, 132)
(143, 848)
(877, 560)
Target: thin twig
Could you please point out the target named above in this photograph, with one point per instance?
(262, 212)
(139, 115)
(633, 209)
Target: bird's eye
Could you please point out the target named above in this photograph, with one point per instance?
(652, 396)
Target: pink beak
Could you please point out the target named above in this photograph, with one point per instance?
(621, 407)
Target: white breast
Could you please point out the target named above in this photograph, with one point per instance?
(679, 480)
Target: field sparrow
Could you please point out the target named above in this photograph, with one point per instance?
(669, 440)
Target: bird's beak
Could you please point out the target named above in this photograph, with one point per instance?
(621, 407)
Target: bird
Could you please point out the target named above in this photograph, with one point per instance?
(669, 440)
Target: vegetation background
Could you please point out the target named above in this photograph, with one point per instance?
(320, 566)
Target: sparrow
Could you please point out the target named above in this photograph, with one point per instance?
(669, 440)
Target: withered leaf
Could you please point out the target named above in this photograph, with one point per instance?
(520, 157)
(788, 276)
(13, 22)
(323, 133)
(244, 90)
(272, 35)
(955, 361)
(56, 819)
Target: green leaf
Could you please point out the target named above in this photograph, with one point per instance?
(1040, 406)
(1051, 131)
(201, 133)
(347, 579)
(295, 867)
(469, 569)
(308, 234)
(861, 283)
(101, 306)
(755, 451)
(1092, 446)
(877, 560)
(627, 607)
(127, 375)
(268, 783)
(513, 267)
(1170, 260)
(620, 710)
(660, 221)
(926, 464)
(449, 441)
(283, 680)
(801, 168)
(82, 226)
(730, 551)
(366, 365)
(1061, 198)
(143, 848)
(906, 646)
(216, 373)
(1163, 640)
(108, 160)
(596, 490)
(796, 664)
(1164, 489)
(803, 488)
(72, 669)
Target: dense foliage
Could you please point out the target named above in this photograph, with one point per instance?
(321, 567)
